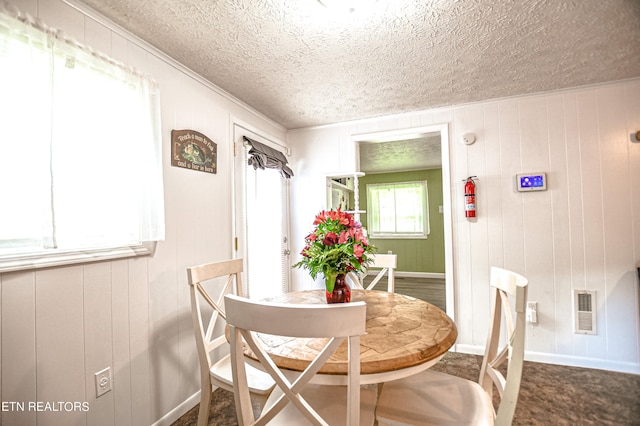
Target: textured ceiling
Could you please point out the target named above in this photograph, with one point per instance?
(302, 65)
(422, 152)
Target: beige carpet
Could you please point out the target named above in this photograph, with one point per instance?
(550, 395)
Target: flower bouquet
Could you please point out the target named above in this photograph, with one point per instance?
(336, 246)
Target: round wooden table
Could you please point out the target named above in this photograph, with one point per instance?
(404, 336)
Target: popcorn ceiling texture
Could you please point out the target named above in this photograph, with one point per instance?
(302, 65)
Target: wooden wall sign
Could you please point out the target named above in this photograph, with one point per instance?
(193, 150)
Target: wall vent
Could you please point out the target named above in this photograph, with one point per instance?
(584, 308)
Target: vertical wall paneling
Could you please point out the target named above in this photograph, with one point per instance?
(120, 325)
(471, 120)
(97, 36)
(592, 190)
(620, 288)
(575, 171)
(57, 14)
(139, 342)
(561, 221)
(98, 341)
(164, 335)
(461, 226)
(511, 163)
(537, 217)
(163, 309)
(491, 184)
(119, 48)
(60, 342)
(18, 345)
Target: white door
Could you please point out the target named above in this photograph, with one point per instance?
(261, 221)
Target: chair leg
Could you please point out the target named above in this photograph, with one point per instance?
(205, 402)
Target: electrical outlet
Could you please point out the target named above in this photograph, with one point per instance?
(532, 312)
(103, 381)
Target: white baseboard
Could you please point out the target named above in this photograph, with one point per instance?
(438, 275)
(402, 274)
(179, 411)
(568, 360)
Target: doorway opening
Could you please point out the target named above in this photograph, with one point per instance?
(398, 160)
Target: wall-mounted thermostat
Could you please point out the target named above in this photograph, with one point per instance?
(526, 182)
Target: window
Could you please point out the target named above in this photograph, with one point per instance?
(398, 210)
(80, 150)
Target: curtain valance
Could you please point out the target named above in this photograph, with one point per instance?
(264, 157)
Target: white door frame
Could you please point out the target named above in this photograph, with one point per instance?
(409, 133)
(267, 139)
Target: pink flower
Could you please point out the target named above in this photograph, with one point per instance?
(344, 237)
(358, 250)
(311, 237)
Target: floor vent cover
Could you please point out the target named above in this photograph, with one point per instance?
(584, 311)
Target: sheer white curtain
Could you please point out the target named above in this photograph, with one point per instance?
(80, 149)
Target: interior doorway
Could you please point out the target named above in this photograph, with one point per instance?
(400, 158)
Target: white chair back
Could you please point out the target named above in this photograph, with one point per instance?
(504, 284)
(333, 323)
(388, 264)
(437, 398)
(211, 344)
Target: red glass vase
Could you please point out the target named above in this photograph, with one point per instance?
(341, 292)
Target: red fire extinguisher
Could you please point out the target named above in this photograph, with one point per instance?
(470, 197)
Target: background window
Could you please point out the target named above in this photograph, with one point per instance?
(398, 210)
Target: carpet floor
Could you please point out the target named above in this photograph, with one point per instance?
(550, 395)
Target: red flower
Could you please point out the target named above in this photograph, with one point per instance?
(311, 237)
(330, 239)
(320, 217)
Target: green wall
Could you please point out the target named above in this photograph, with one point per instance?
(414, 255)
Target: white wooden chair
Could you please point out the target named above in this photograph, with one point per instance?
(388, 263)
(434, 398)
(295, 401)
(205, 311)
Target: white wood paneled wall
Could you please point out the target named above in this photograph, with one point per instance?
(582, 233)
(59, 326)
